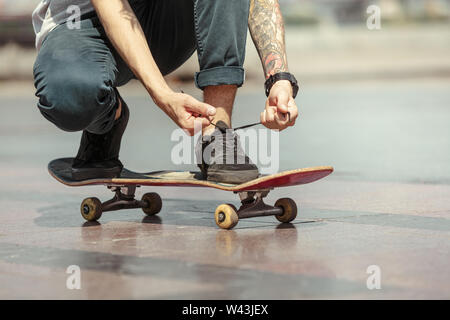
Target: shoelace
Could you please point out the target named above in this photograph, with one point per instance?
(247, 125)
(241, 127)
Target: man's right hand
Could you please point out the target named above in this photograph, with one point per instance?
(184, 109)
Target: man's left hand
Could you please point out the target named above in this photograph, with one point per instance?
(279, 103)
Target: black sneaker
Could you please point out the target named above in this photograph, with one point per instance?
(224, 160)
(98, 155)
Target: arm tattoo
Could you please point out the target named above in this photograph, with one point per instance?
(266, 27)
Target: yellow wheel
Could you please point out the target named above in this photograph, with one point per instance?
(154, 203)
(91, 209)
(226, 216)
(289, 209)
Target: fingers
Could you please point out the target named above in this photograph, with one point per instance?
(282, 120)
(262, 117)
(200, 108)
(278, 105)
(273, 118)
(194, 125)
(268, 118)
(293, 112)
(270, 114)
(282, 101)
(196, 115)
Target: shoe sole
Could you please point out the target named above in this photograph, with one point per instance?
(232, 177)
(95, 173)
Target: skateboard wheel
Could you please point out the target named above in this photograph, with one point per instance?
(289, 209)
(91, 209)
(226, 216)
(154, 203)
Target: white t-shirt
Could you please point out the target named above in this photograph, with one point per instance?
(50, 13)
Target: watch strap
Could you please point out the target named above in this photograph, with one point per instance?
(281, 76)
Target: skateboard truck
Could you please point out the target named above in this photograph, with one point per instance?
(226, 215)
(252, 205)
(124, 198)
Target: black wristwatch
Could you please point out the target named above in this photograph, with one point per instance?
(281, 76)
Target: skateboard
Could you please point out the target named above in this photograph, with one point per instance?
(251, 193)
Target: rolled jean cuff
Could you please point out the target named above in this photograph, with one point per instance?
(220, 75)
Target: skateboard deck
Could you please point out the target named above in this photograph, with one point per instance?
(251, 192)
(60, 169)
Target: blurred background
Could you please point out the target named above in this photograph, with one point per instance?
(327, 39)
(374, 103)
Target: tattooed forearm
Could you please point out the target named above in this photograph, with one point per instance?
(266, 27)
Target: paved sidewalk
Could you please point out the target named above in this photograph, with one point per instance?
(386, 204)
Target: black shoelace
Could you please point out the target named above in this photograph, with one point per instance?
(241, 127)
(245, 126)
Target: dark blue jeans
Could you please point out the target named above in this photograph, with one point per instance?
(76, 69)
